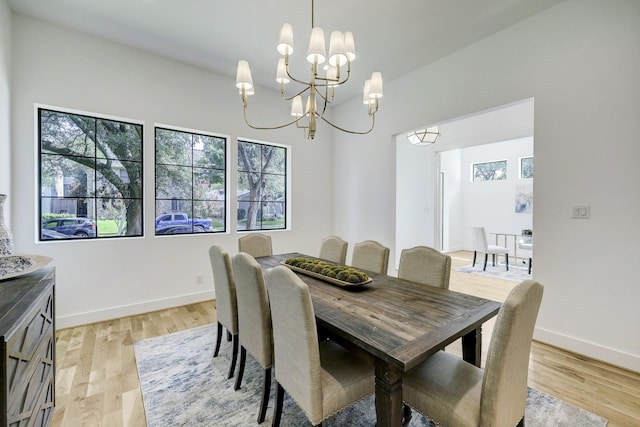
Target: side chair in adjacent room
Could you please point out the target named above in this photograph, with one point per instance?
(480, 245)
(425, 265)
(255, 244)
(321, 376)
(370, 255)
(254, 322)
(455, 393)
(226, 304)
(334, 249)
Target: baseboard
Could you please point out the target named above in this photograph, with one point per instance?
(86, 318)
(592, 350)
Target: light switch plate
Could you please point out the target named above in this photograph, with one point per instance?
(581, 211)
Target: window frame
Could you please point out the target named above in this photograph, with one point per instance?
(287, 186)
(38, 221)
(226, 174)
(474, 164)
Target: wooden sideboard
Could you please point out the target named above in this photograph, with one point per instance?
(27, 348)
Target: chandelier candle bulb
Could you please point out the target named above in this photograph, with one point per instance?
(375, 89)
(243, 75)
(337, 56)
(349, 46)
(316, 52)
(281, 75)
(285, 46)
(365, 96)
(296, 107)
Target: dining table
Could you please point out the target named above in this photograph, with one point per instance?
(397, 323)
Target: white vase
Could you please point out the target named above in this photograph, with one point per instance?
(6, 238)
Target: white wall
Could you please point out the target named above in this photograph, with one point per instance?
(491, 204)
(101, 279)
(5, 102)
(580, 61)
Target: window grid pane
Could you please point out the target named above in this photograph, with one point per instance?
(261, 186)
(190, 182)
(90, 176)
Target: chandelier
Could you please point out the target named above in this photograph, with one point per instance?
(424, 136)
(319, 89)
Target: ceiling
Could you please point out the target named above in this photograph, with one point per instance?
(394, 37)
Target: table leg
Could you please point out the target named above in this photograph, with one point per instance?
(388, 395)
(472, 347)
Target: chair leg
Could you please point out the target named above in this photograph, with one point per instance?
(506, 260)
(474, 258)
(266, 390)
(493, 259)
(234, 356)
(228, 336)
(529, 265)
(406, 414)
(218, 340)
(243, 358)
(486, 257)
(521, 423)
(277, 407)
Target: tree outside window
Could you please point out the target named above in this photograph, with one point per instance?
(190, 182)
(90, 176)
(490, 171)
(526, 167)
(262, 178)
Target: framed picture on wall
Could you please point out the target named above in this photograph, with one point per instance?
(524, 198)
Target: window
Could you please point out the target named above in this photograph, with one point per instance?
(262, 179)
(90, 176)
(490, 171)
(190, 182)
(526, 167)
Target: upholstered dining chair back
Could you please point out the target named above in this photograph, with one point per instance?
(458, 394)
(479, 238)
(371, 255)
(226, 302)
(425, 265)
(504, 386)
(256, 245)
(321, 376)
(334, 249)
(254, 321)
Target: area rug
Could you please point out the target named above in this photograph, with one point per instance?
(516, 273)
(183, 385)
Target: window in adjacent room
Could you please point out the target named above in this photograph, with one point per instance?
(90, 176)
(262, 184)
(191, 182)
(526, 167)
(489, 171)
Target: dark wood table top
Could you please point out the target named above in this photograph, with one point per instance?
(399, 322)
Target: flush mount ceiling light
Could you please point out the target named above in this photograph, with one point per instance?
(341, 54)
(424, 136)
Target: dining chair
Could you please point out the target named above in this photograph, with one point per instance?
(525, 245)
(458, 394)
(254, 322)
(370, 255)
(321, 376)
(425, 265)
(334, 249)
(226, 304)
(480, 245)
(255, 244)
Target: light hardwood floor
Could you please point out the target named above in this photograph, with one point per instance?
(97, 381)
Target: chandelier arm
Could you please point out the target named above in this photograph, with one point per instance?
(373, 120)
(271, 127)
(293, 96)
